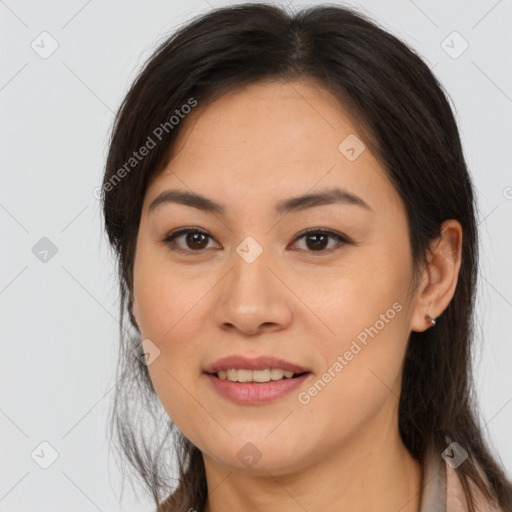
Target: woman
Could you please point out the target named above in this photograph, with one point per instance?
(295, 230)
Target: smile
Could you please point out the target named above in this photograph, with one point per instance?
(265, 375)
(251, 391)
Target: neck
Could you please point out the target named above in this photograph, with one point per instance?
(373, 472)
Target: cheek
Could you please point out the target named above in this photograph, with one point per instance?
(366, 309)
(356, 295)
(162, 297)
(169, 320)
(169, 307)
(362, 368)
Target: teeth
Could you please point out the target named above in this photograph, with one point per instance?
(235, 375)
(244, 375)
(276, 374)
(259, 375)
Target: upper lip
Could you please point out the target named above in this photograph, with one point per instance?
(256, 363)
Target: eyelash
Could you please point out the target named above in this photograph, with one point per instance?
(169, 239)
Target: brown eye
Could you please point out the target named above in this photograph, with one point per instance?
(317, 240)
(194, 240)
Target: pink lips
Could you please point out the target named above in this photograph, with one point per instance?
(253, 393)
(258, 363)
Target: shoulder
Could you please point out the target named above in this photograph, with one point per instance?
(455, 496)
(443, 490)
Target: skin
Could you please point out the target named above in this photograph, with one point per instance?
(248, 150)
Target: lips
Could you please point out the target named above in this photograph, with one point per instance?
(254, 393)
(258, 363)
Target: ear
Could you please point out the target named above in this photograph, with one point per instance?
(439, 279)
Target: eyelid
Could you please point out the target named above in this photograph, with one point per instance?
(343, 239)
(168, 239)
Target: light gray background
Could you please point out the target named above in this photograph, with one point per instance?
(59, 317)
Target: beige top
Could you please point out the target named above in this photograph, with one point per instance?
(442, 490)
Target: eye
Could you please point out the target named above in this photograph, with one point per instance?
(317, 239)
(196, 240)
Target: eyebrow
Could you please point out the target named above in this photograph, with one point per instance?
(327, 197)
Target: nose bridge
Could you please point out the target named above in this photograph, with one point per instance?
(251, 275)
(251, 294)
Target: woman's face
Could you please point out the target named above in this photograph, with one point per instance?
(247, 282)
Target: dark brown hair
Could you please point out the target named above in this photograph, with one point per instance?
(403, 116)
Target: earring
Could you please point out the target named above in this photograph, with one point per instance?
(430, 319)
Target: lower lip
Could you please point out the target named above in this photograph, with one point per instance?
(256, 392)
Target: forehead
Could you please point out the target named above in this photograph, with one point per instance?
(271, 117)
(272, 139)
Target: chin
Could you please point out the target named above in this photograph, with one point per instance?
(260, 456)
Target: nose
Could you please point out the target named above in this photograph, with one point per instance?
(253, 298)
